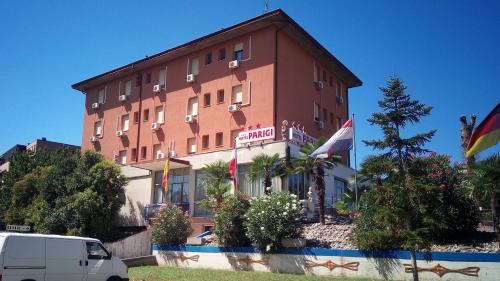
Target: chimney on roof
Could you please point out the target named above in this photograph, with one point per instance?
(44, 139)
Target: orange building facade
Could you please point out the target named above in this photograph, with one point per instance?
(191, 103)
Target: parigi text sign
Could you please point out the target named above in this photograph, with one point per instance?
(256, 135)
(300, 137)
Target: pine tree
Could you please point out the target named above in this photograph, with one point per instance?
(398, 111)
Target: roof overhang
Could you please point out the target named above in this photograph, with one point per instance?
(277, 18)
(159, 165)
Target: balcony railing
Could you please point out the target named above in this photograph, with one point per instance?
(150, 210)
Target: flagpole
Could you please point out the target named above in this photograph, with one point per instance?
(355, 162)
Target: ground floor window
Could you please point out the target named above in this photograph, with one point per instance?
(253, 188)
(178, 188)
(340, 186)
(298, 184)
(200, 194)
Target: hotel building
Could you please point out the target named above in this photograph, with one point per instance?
(195, 102)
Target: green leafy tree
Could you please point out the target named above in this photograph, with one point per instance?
(215, 183)
(485, 182)
(373, 170)
(316, 167)
(398, 111)
(228, 222)
(267, 167)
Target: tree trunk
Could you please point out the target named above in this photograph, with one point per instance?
(320, 189)
(495, 209)
(267, 183)
(413, 252)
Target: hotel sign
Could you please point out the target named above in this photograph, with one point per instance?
(299, 137)
(256, 135)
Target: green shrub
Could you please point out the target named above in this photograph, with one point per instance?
(171, 226)
(228, 222)
(271, 218)
(342, 208)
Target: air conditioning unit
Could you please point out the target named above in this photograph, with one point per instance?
(157, 88)
(320, 124)
(155, 126)
(234, 64)
(120, 133)
(172, 153)
(95, 105)
(160, 155)
(340, 99)
(189, 119)
(93, 139)
(190, 78)
(233, 107)
(122, 97)
(320, 84)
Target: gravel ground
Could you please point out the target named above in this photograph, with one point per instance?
(335, 235)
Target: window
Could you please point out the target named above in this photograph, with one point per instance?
(325, 117)
(316, 112)
(331, 81)
(148, 77)
(205, 141)
(315, 72)
(123, 157)
(237, 95)
(125, 122)
(145, 115)
(156, 151)
(220, 96)
(138, 80)
(134, 154)
(128, 88)
(238, 51)
(144, 151)
(102, 96)
(162, 77)
(195, 70)
(253, 188)
(95, 251)
(98, 129)
(339, 91)
(324, 76)
(222, 54)
(191, 145)
(206, 100)
(199, 195)
(339, 123)
(136, 117)
(331, 118)
(192, 106)
(178, 188)
(219, 139)
(159, 116)
(208, 58)
(298, 184)
(339, 189)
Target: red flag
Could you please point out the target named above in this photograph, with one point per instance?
(233, 167)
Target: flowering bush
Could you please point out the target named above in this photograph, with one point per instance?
(171, 226)
(271, 218)
(228, 221)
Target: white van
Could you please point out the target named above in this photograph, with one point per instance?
(36, 257)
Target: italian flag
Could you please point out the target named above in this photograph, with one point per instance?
(486, 135)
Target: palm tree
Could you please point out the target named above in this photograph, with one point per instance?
(216, 184)
(267, 167)
(316, 167)
(485, 180)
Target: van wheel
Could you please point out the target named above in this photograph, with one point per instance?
(114, 278)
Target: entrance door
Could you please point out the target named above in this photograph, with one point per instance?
(99, 265)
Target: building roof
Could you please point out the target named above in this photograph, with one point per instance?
(277, 17)
(5, 157)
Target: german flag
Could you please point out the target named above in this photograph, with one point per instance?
(486, 135)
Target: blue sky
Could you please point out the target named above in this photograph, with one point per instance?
(447, 52)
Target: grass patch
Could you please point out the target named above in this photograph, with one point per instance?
(163, 273)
